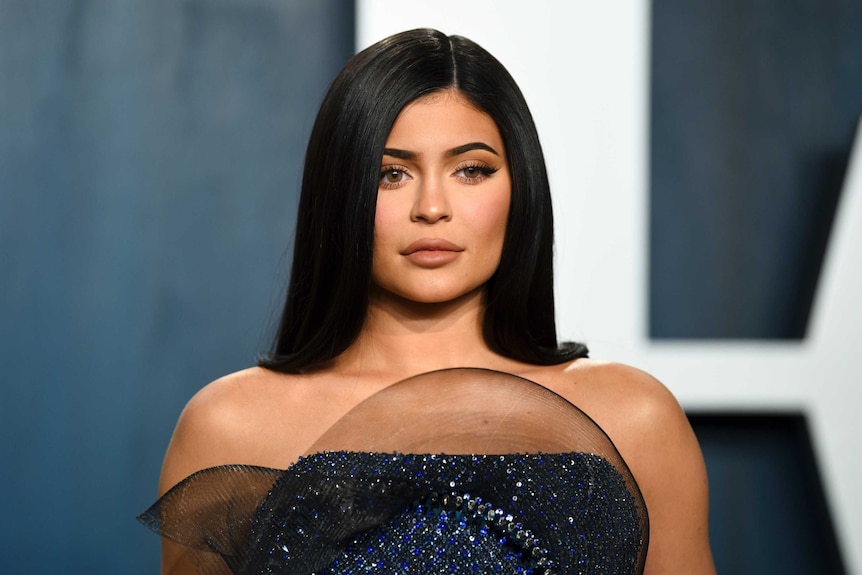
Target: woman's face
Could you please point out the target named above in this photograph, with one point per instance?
(442, 202)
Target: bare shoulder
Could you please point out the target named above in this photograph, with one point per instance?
(634, 408)
(653, 435)
(620, 398)
(254, 417)
(609, 376)
(237, 419)
(638, 412)
(225, 401)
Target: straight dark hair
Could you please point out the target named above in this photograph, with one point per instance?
(330, 283)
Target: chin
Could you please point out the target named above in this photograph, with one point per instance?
(437, 297)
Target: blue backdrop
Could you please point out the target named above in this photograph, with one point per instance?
(754, 107)
(150, 156)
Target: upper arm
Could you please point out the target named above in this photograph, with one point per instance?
(215, 428)
(653, 435)
(203, 436)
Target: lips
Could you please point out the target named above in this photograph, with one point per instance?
(431, 245)
(432, 253)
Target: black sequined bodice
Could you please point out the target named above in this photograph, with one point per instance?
(457, 514)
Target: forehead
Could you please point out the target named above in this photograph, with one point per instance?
(443, 118)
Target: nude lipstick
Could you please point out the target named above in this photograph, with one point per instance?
(432, 253)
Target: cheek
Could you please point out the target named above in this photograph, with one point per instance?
(502, 214)
(383, 219)
(494, 214)
(499, 216)
(488, 222)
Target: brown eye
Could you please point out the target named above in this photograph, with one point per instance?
(474, 174)
(393, 176)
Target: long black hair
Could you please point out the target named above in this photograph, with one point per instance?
(330, 282)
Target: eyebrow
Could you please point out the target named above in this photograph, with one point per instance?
(456, 151)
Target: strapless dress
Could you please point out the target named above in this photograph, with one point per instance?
(455, 471)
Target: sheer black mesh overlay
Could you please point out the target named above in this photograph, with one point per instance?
(460, 470)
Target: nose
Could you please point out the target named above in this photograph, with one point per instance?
(431, 203)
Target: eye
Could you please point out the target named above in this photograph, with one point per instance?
(474, 173)
(393, 176)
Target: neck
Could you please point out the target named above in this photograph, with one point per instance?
(402, 338)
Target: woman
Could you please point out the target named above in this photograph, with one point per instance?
(424, 245)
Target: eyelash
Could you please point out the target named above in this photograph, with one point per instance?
(484, 171)
(388, 170)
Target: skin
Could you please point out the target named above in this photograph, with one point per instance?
(425, 318)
